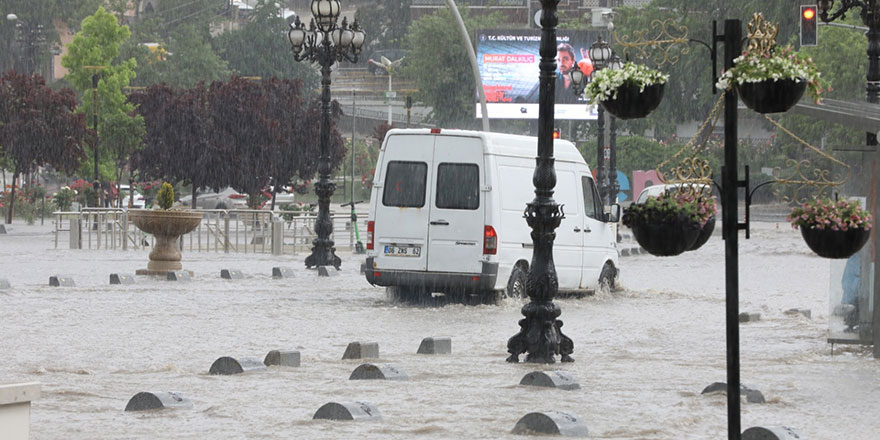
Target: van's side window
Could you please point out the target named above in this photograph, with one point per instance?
(405, 184)
(591, 205)
(458, 186)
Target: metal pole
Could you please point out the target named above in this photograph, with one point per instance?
(353, 121)
(323, 252)
(600, 154)
(540, 335)
(872, 88)
(472, 56)
(390, 119)
(97, 184)
(730, 225)
(613, 187)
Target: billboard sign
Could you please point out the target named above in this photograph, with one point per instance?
(508, 61)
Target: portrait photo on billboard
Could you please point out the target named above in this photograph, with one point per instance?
(508, 61)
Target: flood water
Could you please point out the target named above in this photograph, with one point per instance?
(643, 354)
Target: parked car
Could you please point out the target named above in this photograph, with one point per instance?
(226, 198)
(137, 202)
(285, 196)
(374, 63)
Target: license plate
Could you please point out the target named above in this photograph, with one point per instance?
(403, 251)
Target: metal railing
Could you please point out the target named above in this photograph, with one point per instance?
(228, 231)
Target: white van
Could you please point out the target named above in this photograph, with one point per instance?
(446, 215)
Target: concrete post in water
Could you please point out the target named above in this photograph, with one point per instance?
(228, 365)
(61, 281)
(284, 358)
(228, 274)
(282, 272)
(116, 278)
(373, 371)
(551, 379)
(277, 236)
(441, 345)
(157, 400)
(4, 284)
(551, 423)
(771, 433)
(358, 411)
(75, 233)
(179, 275)
(361, 350)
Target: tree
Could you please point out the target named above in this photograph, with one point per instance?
(261, 49)
(38, 126)
(386, 23)
(191, 60)
(436, 63)
(97, 44)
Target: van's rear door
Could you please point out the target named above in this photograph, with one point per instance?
(457, 219)
(401, 218)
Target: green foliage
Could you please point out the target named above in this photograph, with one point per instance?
(191, 60)
(437, 61)
(165, 197)
(255, 50)
(386, 24)
(64, 198)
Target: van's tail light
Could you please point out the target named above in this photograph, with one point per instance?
(237, 196)
(490, 241)
(371, 227)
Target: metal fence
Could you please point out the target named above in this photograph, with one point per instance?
(228, 231)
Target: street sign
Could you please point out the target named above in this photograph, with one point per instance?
(390, 94)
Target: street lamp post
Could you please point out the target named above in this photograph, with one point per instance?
(540, 334)
(325, 42)
(603, 58)
(30, 37)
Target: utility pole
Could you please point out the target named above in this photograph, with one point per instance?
(97, 182)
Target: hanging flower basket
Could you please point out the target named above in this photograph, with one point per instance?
(671, 223)
(832, 229)
(705, 233)
(827, 243)
(668, 238)
(633, 91)
(771, 96)
(632, 103)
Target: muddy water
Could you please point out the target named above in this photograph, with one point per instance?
(643, 354)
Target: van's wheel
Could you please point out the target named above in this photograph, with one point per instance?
(606, 278)
(516, 285)
(220, 205)
(405, 294)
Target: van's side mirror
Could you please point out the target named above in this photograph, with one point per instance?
(613, 216)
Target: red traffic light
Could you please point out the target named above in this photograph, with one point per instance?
(556, 133)
(809, 13)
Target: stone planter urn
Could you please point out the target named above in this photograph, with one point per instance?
(167, 226)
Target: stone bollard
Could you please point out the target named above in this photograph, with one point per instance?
(277, 236)
(228, 365)
(4, 229)
(324, 271)
(59, 281)
(551, 379)
(804, 312)
(282, 272)
(361, 350)
(770, 433)
(441, 345)
(749, 317)
(284, 358)
(116, 278)
(551, 422)
(4, 284)
(382, 372)
(227, 274)
(75, 233)
(180, 275)
(359, 411)
(157, 400)
(752, 395)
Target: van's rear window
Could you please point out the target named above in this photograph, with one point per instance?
(405, 184)
(458, 186)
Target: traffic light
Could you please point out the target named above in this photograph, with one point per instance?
(557, 134)
(809, 28)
